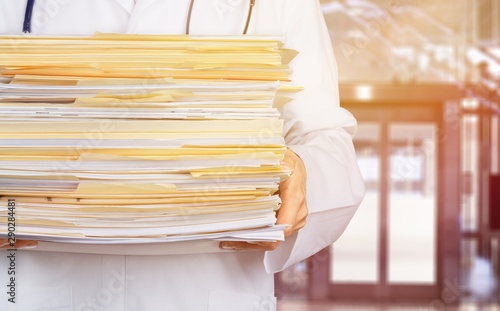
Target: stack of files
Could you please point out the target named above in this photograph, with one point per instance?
(123, 139)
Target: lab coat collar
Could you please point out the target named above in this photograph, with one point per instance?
(127, 4)
(139, 5)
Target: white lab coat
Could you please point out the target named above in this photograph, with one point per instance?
(199, 276)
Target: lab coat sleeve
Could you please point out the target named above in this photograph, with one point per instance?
(320, 132)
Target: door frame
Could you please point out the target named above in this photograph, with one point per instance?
(438, 104)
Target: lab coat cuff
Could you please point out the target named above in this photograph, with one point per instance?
(321, 230)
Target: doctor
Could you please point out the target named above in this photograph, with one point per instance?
(317, 131)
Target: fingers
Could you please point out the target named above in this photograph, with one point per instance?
(249, 246)
(293, 210)
(297, 219)
(19, 244)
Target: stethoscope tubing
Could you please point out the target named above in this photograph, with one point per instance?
(29, 12)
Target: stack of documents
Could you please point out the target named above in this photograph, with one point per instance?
(121, 139)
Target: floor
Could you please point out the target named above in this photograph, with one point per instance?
(291, 305)
(479, 290)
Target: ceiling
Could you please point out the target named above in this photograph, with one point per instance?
(410, 40)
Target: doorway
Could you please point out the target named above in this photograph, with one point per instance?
(403, 241)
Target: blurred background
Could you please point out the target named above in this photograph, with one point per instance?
(422, 77)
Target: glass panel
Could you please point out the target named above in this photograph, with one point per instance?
(355, 255)
(470, 161)
(412, 204)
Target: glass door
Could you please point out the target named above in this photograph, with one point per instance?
(411, 212)
(390, 248)
(356, 254)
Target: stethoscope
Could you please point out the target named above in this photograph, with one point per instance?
(29, 11)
